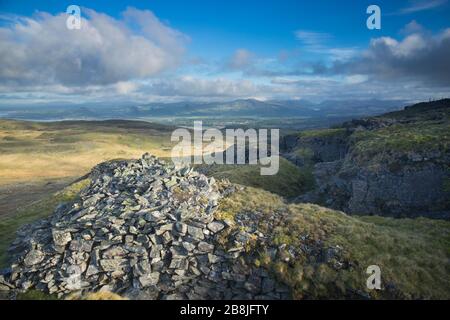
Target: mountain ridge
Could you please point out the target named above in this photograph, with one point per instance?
(231, 109)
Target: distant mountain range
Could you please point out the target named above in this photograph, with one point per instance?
(244, 108)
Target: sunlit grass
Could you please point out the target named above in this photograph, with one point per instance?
(290, 181)
(40, 151)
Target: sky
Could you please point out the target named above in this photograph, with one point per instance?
(177, 50)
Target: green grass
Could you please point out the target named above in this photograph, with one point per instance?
(422, 128)
(415, 137)
(322, 133)
(43, 208)
(412, 253)
(290, 181)
(35, 295)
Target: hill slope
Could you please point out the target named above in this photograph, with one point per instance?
(394, 164)
(312, 251)
(33, 151)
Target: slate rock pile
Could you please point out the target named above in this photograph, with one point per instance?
(143, 229)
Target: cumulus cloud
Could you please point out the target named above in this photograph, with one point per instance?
(129, 59)
(412, 27)
(40, 50)
(417, 57)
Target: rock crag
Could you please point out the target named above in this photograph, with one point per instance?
(396, 164)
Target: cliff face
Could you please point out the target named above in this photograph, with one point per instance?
(396, 164)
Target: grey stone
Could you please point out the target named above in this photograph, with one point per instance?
(268, 285)
(178, 263)
(188, 246)
(149, 279)
(215, 226)
(195, 232)
(205, 247)
(181, 228)
(135, 236)
(178, 252)
(33, 257)
(110, 265)
(61, 237)
(115, 251)
(81, 245)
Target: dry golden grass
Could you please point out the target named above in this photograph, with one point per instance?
(30, 152)
(101, 295)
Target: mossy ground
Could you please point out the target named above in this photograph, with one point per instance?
(322, 133)
(421, 128)
(413, 137)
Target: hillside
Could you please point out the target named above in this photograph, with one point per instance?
(225, 232)
(289, 182)
(393, 164)
(42, 151)
(282, 250)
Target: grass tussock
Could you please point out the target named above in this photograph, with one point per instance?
(250, 199)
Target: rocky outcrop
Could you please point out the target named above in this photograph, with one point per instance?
(357, 178)
(303, 149)
(145, 230)
(407, 191)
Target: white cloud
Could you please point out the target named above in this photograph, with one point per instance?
(319, 43)
(412, 27)
(312, 39)
(356, 78)
(241, 59)
(129, 59)
(418, 58)
(41, 50)
(421, 5)
(126, 87)
(409, 46)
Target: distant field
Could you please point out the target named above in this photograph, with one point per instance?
(31, 151)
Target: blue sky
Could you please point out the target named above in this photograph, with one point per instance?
(218, 49)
